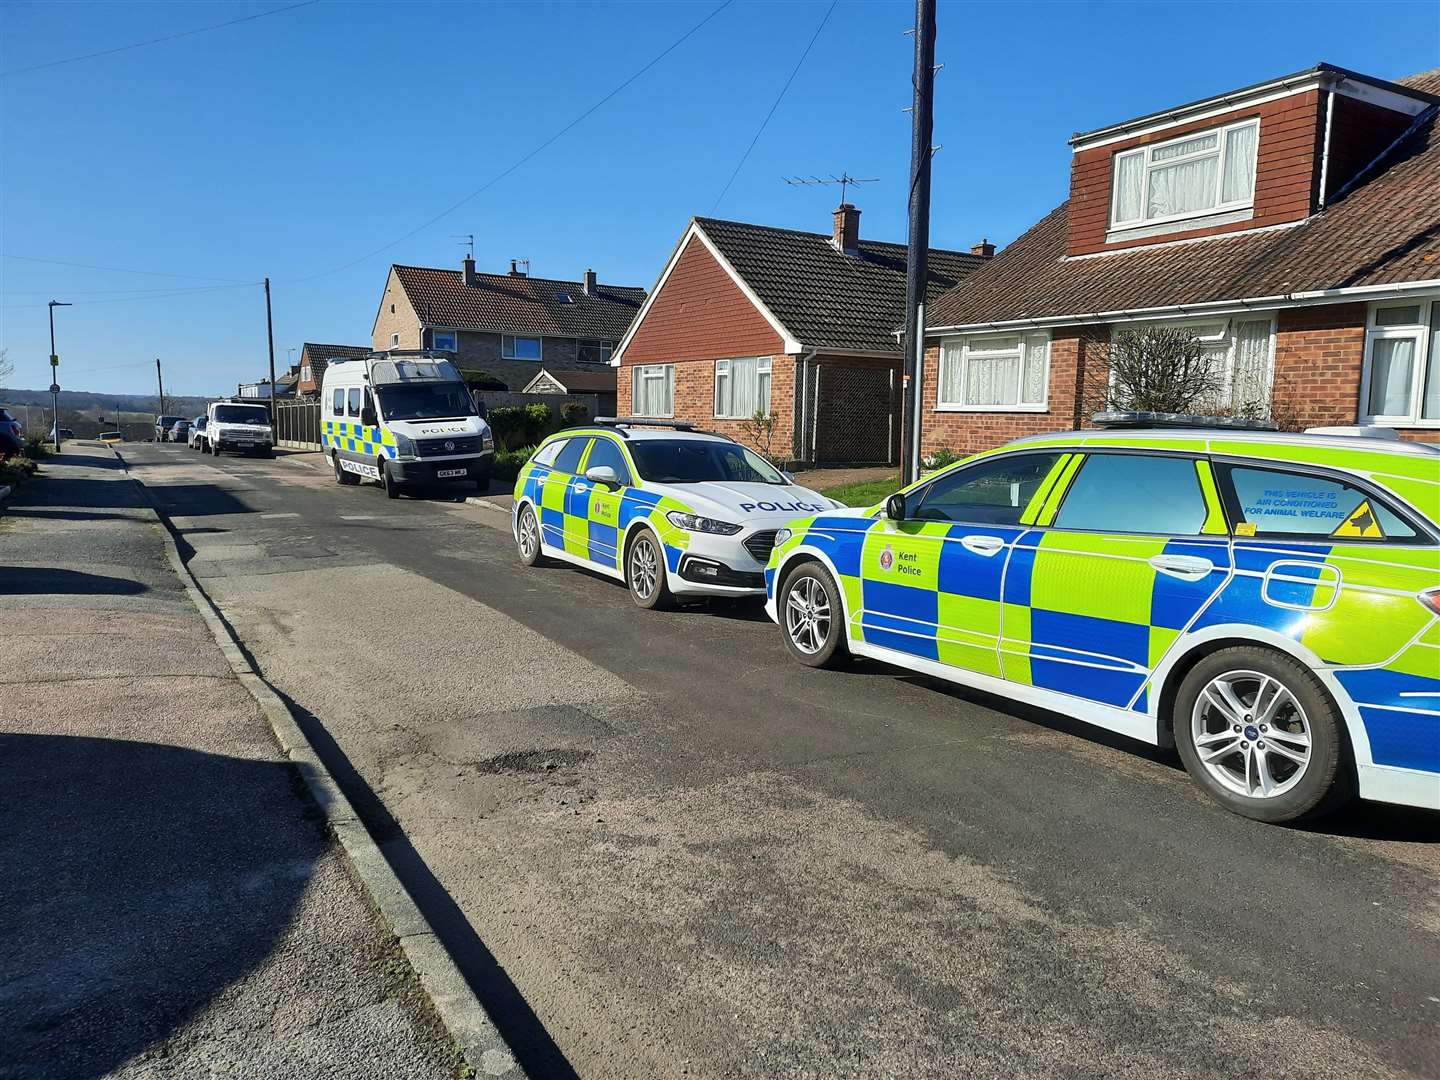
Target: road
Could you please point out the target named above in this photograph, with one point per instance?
(659, 847)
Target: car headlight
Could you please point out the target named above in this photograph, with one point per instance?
(405, 446)
(696, 523)
(783, 536)
(487, 440)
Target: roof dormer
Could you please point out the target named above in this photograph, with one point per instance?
(1256, 157)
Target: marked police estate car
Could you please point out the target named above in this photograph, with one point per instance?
(1268, 602)
(671, 512)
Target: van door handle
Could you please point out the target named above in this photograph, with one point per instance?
(1184, 567)
(982, 545)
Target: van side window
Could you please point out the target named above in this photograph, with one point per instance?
(605, 452)
(568, 460)
(1135, 493)
(546, 454)
(354, 401)
(1271, 502)
(338, 402)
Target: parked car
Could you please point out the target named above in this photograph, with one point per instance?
(197, 432)
(179, 431)
(11, 441)
(1267, 603)
(238, 427)
(671, 512)
(163, 424)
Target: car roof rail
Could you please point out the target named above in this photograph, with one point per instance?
(619, 422)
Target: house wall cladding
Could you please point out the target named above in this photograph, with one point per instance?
(1286, 167)
(700, 313)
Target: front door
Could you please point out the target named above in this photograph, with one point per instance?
(563, 510)
(603, 502)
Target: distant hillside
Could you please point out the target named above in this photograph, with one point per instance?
(81, 401)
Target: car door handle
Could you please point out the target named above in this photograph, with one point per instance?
(982, 545)
(1185, 567)
(582, 487)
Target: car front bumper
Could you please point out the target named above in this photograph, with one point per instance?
(476, 469)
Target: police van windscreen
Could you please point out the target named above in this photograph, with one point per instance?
(425, 401)
(681, 461)
(242, 414)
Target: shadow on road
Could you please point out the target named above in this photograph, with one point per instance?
(134, 891)
(52, 581)
(76, 492)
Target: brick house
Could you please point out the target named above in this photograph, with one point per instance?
(1293, 226)
(313, 360)
(797, 325)
(506, 325)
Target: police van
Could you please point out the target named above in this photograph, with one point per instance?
(403, 418)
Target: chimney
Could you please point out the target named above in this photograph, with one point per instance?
(846, 234)
(589, 283)
(984, 249)
(471, 278)
(515, 270)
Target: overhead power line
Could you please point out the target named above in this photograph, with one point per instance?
(779, 98)
(528, 156)
(161, 295)
(155, 41)
(120, 269)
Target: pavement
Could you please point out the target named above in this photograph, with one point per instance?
(656, 847)
(172, 905)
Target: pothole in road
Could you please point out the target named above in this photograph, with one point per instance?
(535, 762)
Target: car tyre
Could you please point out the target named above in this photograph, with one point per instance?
(345, 479)
(812, 616)
(1262, 736)
(527, 538)
(645, 572)
(388, 482)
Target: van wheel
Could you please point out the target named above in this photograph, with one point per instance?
(812, 618)
(1259, 733)
(645, 572)
(341, 476)
(527, 538)
(388, 482)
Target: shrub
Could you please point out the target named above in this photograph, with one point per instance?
(508, 463)
(938, 459)
(573, 414)
(1161, 369)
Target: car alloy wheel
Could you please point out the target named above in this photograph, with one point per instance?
(807, 613)
(529, 538)
(1251, 734)
(644, 568)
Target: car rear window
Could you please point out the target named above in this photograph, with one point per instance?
(1276, 502)
(1135, 493)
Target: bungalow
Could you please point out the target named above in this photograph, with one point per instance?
(1293, 226)
(795, 326)
(506, 325)
(313, 360)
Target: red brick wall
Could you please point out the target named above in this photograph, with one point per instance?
(1077, 366)
(1286, 167)
(695, 400)
(701, 313)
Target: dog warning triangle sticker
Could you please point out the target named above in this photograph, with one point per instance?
(1361, 523)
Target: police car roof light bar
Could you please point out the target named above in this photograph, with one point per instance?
(1129, 419)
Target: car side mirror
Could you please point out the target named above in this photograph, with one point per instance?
(603, 474)
(895, 507)
(789, 476)
(367, 417)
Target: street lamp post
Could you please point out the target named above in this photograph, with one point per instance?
(55, 375)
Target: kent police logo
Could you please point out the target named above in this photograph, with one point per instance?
(887, 558)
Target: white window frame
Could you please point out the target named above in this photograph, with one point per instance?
(454, 337)
(1147, 164)
(507, 348)
(764, 365)
(1227, 332)
(652, 371)
(395, 340)
(606, 349)
(959, 350)
(1422, 334)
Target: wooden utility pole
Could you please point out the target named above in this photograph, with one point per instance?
(160, 381)
(916, 268)
(270, 337)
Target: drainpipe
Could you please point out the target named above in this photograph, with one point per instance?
(802, 369)
(1325, 149)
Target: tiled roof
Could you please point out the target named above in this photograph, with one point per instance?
(827, 299)
(514, 304)
(314, 352)
(1384, 231)
(587, 381)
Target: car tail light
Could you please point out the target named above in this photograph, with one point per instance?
(1431, 599)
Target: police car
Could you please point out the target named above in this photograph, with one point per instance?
(1267, 603)
(671, 511)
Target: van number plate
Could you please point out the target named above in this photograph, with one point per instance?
(446, 474)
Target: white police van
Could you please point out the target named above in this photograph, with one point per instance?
(403, 418)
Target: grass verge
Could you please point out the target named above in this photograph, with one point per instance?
(865, 493)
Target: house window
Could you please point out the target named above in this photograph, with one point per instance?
(443, 340)
(1401, 385)
(519, 348)
(305, 373)
(652, 390)
(1241, 356)
(995, 373)
(742, 387)
(595, 352)
(395, 341)
(1204, 172)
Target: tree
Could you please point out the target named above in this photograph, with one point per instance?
(759, 432)
(1161, 369)
(7, 367)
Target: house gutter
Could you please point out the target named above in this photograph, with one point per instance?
(1306, 298)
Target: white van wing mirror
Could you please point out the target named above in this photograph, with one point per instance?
(603, 474)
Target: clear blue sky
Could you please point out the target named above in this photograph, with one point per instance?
(292, 144)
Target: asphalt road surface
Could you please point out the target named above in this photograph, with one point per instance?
(659, 847)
